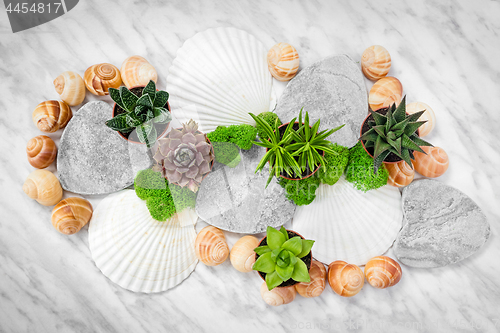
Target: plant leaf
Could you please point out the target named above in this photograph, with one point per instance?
(129, 99)
(262, 249)
(161, 115)
(115, 96)
(307, 244)
(377, 162)
(400, 113)
(145, 100)
(412, 127)
(419, 141)
(409, 144)
(284, 232)
(293, 245)
(275, 253)
(150, 89)
(273, 280)
(161, 99)
(285, 273)
(415, 116)
(274, 238)
(119, 123)
(380, 146)
(380, 119)
(300, 272)
(264, 264)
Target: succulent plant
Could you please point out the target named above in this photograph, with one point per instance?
(184, 156)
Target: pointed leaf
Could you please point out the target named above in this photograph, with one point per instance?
(119, 123)
(300, 272)
(161, 99)
(285, 273)
(293, 245)
(380, 147)
(129, 99)
(284, 232)
(419, 141)
(412, 127)
(415, 116)
(307, 244)
(274, 238)
(409, 144)
(162, 115)
(377, 162)
(390, 119)
(379, 118)
(400, 113)
(262, 249)
(406, 157)
(115, 96)
(370, 135)
(264, 264)
(145, 100)
(273, 280)
(150, 89)
(275, 253)
(380, 130)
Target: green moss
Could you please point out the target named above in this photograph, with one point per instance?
(301, 192)
(360, 170)
(227, 153)
(161, 207)
(149, 183)
(182, 197)
(335, 164)
(270, 118)
(221, 134)
(242, 135)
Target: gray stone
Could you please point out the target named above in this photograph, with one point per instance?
(236, 200)
(441, 225)
(332, 90)
(94, 159)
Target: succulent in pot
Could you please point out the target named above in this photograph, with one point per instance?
(143, 109)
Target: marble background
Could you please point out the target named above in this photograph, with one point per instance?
(444, 52)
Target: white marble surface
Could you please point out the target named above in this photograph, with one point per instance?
(445, 53)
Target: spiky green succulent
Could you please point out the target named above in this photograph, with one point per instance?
(394, 132)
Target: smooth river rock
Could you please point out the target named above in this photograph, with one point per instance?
(94, 159)
(332, 90)
(441, 225)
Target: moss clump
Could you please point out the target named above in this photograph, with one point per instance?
(361, 170)
(335, 165)
(161, 207)
(227, 153)
(270, 118)
(148, 183)
(242, 135)
(182, 197)
(301, 192)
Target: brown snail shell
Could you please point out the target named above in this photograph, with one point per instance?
(242, 254)
(71, 214)
(211, 246)
(382, 272)
(71, 87)
(345, 279)
(278, 296)
(375, 62)
(385, 92)
(99, 78)
(137, 71)
(428, 116)
(283, 61)
(50, 116)
(400, 174)
(41, 151)
(432, 165)
(317, 272)
(44, 187)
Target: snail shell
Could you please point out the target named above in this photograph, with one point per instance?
(44, 187)
(428, 115)
(137, 71)
(50, 116)
(211, 247)
(283, 61)
(71, 87)
(242, 254)
(384, 92)
(400, 174)
(375, 62)
(278, 296)
(99, 78)
(382, 272)
(345, 279)
(432, 165)
(317, 272)
(42, 151)
(71, 214)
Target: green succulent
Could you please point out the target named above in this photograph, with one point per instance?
(281, 258)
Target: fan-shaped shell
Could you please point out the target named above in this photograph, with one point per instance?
(137, 71)
(44, 187)
(382, 272)
(71, 214)
(137, 252)
(348, 224)
(432, 165)
(71, 87)
(317, 272)
(375, 62)
(428, 116)
(345, 279)
(50, 116)
(283, 61)
(41, 151)
(278, 296)
(384, 92)
(218, 77)
(400, 174)
(99, 78)
(242, 254)
(211, 246)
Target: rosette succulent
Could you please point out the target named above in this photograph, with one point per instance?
(184, 156)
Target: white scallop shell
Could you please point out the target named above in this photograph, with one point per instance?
(348, 224)
(218, 77)
(137, 252)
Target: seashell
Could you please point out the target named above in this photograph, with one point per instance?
(44, 187)
(428, 116)
(348, 224)
(345, 279)
(42, 151)
(71, 214)
(218, 77)
(375, 62)
(382, 272)
(71, 88)
(317, 272)
(242, 255)
(99, 78)
(137, 252)
(211, 247)
(278, 296)
(283, 61)
(432, 165)
(386, 91)
(50, 116)
(400, 174)
(137, 71)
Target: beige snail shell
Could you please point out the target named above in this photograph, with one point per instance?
(400, 174)
(71, 88)
(375, 62)
(137, 71)
(71, 214)
(382, 272)
(278, 296)
(432, 165)
(345, 279)
(99, 78)
(44, 187)
(50, 116)
(428, 115)
(317, 272)
(384, 92)
(211, 246)
(283, 61)
(242, 254)
(41, 151)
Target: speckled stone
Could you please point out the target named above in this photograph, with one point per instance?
(236, 200)
(94, 159)
(441, 225)
(332, 90)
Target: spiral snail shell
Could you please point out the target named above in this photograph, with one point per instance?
(44, 187)
(345, 279)
(432, 165)
(137, 71)
(382, 272)
(384, 92)
(99, 78)
(211, 247)
(428, 116)
(283, 61)
(375, 62)
(50, 116)
(277, 296)
(400, 174)
(71, 88)
(41, 151)
(317, 272)
(242, 254)
(71, 214)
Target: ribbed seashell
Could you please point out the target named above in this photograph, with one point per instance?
(50, 116)
(400, 174)
(428, 116)
(71, 88)
(317, 272)
(278, 296)
(382, 272)
(41, 151)
(432, 165)
(44, 187)
(71, 214)
(386, 91)
(100, 77)
(137, 71)
(345, 279)
(375, 62)
(211, 246)
(283, 61)
(242, 254)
